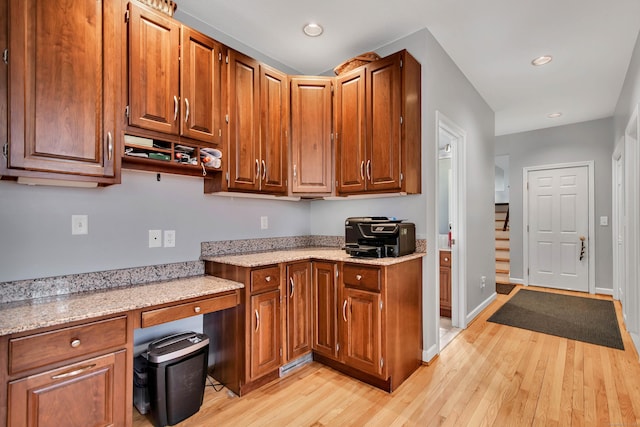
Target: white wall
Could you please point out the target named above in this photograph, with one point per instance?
(629, 99)
(585, 141)
(444, 89)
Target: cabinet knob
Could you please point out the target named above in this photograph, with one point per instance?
(268, 278)
(196, 309)
(358, 277)
(75, 343)
(446, 259)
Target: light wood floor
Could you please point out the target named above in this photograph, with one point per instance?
(491, 375)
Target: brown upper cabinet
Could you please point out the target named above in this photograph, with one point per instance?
(175, 77)
(378, 127)
(258, 122)
(311, 135)
(63, 69)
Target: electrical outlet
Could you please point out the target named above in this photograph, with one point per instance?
(264, 222)
(79, 224)
(169, 238)
(155, 238)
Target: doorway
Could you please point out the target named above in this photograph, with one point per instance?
(619, 227)
(450, 220)
(559, 226)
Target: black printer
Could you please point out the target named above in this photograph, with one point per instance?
(378, 237)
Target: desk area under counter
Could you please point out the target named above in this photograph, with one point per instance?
(61, 346)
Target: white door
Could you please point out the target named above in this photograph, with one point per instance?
(558, 228)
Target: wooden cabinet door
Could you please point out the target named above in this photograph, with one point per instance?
(325, 313)
(200, 87)
(351, 161)
(298, 309)
(63, 91)
(88, 393)
(244, 122)
(264, 350)
(383, 114)
(311, 130)
(445, 291)
(154, 65)
(274, 121)
(362, 330)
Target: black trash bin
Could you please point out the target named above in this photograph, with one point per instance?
(176, 376)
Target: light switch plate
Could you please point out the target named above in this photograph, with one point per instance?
(264, 222)
(155, 238)
(79, 224)
(169, 238)
(604, 220)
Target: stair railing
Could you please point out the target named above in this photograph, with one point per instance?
(506, 221)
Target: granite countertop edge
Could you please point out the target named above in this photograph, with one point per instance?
(260, 259)
(27, 315)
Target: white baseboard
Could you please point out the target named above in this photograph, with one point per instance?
(604, 291)
(516, 281)
(479, 308)
(430, 353)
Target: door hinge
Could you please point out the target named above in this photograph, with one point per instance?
(336, 269)
(337, 347)
(220, 56)
(126, 16)
(126, 111)
(401, 176)
(280, 351)
(5, 56)
(227, 59)
(227, 177)
(219, 132)
(527, 271)
(401, 63)
(381, 362)
(401, 120)
(527, 228)
(5, 150)
(380, 305)
(226, 118)
(332, 137)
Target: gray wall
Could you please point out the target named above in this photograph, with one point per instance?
(444, 168)
(585, 141)
(35, 224)
(446, 89)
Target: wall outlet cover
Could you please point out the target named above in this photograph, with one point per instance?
(79, 224)
(169, 238)
(155, 238)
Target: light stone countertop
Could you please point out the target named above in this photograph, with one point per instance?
(42, 312)
(260, 259)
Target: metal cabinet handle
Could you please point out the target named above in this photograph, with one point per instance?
(186, 114)
(362, 170)
(74, 372)
(369, 170)
(257, 169)
(264, 170)
(267, 279)
(292, 286)
(175, 108)
(109, 146)
(295, 173)
(75, 343)
(257, 320)
(344, 310)
(196, 309)
(358, 277)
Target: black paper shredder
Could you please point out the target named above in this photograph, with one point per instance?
(176, 376)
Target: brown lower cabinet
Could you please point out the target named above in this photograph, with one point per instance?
(378, 321)
(72, 376)
(445, 283)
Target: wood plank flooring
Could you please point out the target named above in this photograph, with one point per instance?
(490, 375)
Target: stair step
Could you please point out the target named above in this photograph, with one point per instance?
(502, 278)
(502, 235)
(502, 244)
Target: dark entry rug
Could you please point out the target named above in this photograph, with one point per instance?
(583, 319)
(504, 288)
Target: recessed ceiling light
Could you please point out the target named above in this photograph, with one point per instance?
(554, 115)
(312, 29)
(541, 60)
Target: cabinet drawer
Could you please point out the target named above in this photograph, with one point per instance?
(175, 312)
(265, 278)
(35, 351)
(357, 276)
(445, 258)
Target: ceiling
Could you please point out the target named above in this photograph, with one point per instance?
(491, 41)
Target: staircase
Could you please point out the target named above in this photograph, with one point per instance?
(502, 243)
